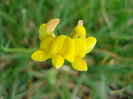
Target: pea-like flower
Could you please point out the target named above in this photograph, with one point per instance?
(46, 35)
(83, 45)
(59, 48)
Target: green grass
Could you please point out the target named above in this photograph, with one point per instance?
(110, 73)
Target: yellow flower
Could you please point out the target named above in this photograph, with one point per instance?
(46, 35)
(83, 45)
(48, 29)
(62, 47)
(80, 32)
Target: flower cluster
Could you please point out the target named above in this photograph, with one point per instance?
(72, 48)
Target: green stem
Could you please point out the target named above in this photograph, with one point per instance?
(23, 50)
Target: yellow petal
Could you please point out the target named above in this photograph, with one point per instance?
(42, 31)
(81, 32)
(39, 55)
(91, 41)
(79, 64)
(64, 46)
(57, 61)
(45, 43)
(68, 49)
(80, 47)
(51, 25)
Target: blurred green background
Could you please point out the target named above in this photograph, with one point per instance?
(110, 73)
